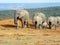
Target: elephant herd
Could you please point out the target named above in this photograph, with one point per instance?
(38, 20)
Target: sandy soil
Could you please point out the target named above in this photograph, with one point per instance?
(9, 35)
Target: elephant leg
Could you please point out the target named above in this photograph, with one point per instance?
(50, 25)
(35, 24)
(27, 24)
(16, 25)
(42, 27)
(22, 23)
(39, 26)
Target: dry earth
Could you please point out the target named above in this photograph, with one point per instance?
(9, 35)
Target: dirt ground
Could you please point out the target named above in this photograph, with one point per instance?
(9, 35)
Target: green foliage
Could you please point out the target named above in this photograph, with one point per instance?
(49, 11)
(6, 14)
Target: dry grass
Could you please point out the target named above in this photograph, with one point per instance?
(27, 36)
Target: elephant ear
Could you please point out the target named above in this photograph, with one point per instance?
(15, 17)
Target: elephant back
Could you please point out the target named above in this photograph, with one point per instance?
(22, 13)
(41, 15)
(38, 19)
(53, 20)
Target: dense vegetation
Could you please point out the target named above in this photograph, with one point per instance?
(49, 11)
(6, 14)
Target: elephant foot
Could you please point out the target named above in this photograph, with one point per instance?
(16, 26)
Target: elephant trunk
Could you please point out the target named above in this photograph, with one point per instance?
(15, 20)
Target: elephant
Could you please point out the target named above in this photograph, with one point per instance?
(38, 18)
(52, 21)
(58, 20)
(23, 16)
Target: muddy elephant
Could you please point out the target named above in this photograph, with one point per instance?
(38, 19)
(23, 16)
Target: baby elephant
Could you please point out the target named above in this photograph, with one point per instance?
(44, 25)
(23, 16)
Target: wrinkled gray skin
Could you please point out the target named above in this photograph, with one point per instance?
(38, 19)
(23, 16)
